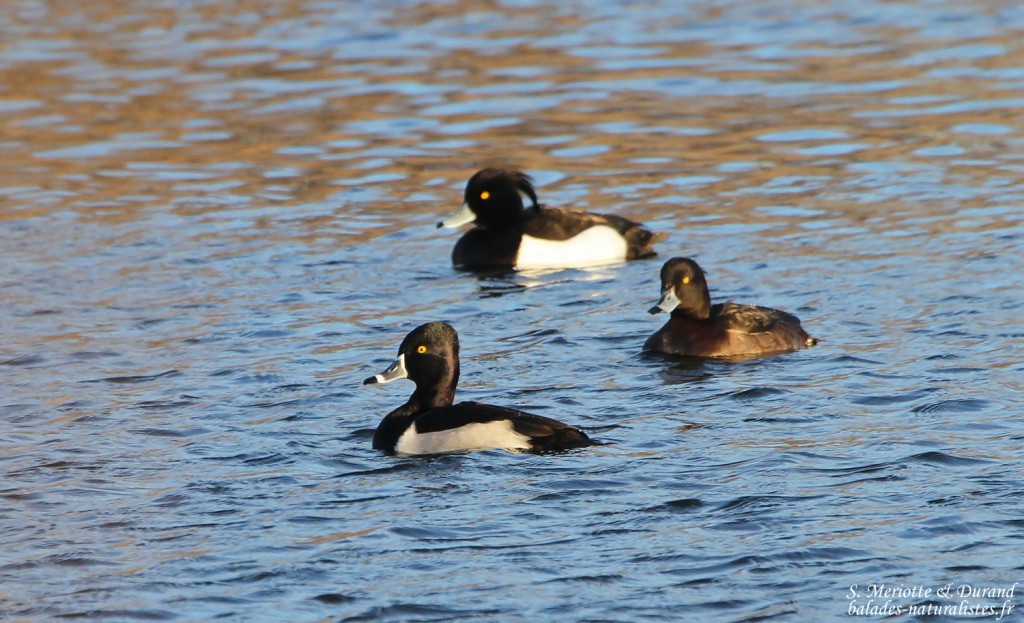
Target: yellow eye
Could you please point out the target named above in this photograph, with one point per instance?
(485, 195)
(421, 349)
(686, 280)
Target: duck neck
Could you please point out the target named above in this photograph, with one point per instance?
(504, 219)
(697, 310)
(439, 392)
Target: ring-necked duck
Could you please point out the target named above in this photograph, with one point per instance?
(699, 329)
(429, 423)
(506, 234)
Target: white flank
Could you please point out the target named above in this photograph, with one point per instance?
(594, 246)
(487, 436)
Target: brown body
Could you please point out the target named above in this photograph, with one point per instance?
(699, 329)
(730, 330)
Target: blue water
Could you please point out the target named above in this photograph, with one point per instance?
(216, 219)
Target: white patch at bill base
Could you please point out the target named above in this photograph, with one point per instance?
(591, 247)
(669, 301)
(498, 434)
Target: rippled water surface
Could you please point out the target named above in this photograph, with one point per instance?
(216, 218)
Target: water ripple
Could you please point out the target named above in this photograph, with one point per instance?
(217, 220)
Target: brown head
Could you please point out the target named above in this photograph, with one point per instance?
(683, 288)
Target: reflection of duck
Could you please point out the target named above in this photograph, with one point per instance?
(506, 234)
(428, 423)
(501, 282)
(700, 329)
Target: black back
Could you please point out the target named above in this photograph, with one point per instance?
(544, 433)
(559, 224)
(496, 198)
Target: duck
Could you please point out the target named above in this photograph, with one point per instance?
(699, 329)
(508, 234)
(429, 422)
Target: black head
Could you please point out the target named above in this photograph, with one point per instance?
(494, 198)
(683, 287)
(429, 357)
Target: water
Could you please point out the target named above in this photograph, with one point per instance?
(217, 218)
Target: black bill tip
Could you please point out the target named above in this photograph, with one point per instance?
(369, 380)
(654, 310)
(440, 224)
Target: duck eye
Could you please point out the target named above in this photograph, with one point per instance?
(485, 195)
(421, 349)
(686, 280)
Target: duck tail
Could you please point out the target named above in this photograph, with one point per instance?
(641, 242)
(561, 439)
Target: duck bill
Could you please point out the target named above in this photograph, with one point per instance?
(463, 216)
(394, 372)
(667, 303)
